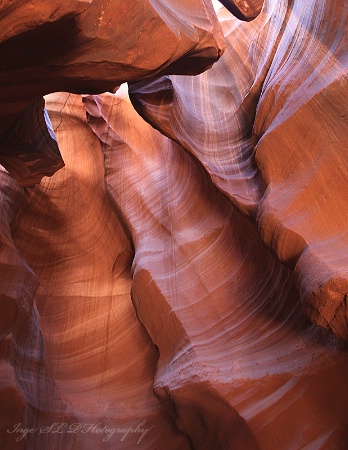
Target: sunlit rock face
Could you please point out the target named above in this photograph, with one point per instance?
(271, 130)
(81, 358)
(225, 314)
(181, 282)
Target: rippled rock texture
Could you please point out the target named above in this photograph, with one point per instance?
(182, 282)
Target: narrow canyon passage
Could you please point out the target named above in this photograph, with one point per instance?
(173, 246)
(95, 360)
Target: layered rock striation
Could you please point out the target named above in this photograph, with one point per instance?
(270, 129)
(182, 281)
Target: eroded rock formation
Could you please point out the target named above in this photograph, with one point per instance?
(101, 45)
(182, 281)
(282, 154)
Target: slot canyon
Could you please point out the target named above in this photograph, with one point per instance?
(174, 225)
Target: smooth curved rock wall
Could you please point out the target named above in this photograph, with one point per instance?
(175, 285)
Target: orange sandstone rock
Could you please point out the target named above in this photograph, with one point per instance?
(90, 47)
(156, 291)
